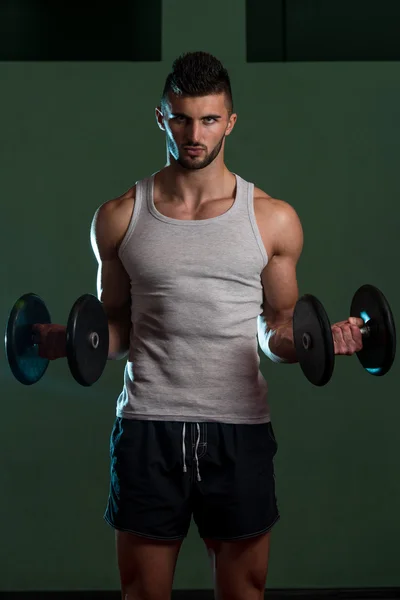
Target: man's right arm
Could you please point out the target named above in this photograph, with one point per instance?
(108, 228)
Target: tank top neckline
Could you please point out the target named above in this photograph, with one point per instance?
(192, 222)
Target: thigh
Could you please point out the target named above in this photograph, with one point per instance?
(240, 567)
(149, 492)
(235, 498)
(146, 566)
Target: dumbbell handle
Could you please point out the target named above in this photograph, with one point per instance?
(93, 338)
(369, 328)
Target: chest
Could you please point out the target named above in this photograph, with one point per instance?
(217, 207)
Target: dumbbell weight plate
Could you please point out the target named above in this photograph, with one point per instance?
(313, 340)
(22, 352)
(87, 340)
(379, 346)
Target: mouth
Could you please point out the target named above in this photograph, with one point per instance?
(193, 151)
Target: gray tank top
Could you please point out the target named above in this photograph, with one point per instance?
(196, 296)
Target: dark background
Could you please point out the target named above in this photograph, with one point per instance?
(318, 120)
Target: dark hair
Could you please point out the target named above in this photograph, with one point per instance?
(198, 74)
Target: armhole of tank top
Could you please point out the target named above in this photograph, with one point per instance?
(134, 217)
(253, 221)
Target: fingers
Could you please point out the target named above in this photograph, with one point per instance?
(347, 337)
(51, 340)
(339, 343)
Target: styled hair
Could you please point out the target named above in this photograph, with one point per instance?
(198, 74)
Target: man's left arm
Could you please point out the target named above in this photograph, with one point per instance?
(279, 281)
(280, 288)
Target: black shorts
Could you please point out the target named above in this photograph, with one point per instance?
(165, 472)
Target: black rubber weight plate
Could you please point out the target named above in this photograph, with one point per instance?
(379, 348)
(318, 360)
(22, 353)
(87, 362)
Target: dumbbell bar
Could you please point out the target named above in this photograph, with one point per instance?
(86, 339)
(314, 342)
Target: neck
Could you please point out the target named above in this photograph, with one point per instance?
(192, 187)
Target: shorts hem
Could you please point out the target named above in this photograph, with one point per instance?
(145, 535)
(245, 536)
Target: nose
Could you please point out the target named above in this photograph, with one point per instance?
(193, 132)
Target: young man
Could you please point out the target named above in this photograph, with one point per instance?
(194, 262)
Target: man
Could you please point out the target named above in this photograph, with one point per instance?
(194, 263)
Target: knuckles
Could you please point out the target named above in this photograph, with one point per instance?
(347, 338)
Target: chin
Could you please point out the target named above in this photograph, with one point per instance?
(192, 166)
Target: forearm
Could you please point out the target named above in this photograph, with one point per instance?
(279, 341)
(119, 338)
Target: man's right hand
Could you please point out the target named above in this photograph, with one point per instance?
(52, 340)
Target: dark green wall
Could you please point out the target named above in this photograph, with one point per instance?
(324, 137)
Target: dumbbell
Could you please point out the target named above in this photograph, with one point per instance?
(87, 339)
(314, 341)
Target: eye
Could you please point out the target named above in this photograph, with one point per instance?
(209, 120)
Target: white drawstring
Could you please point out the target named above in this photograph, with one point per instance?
(184, 448)
(197, 458)
(196, 448)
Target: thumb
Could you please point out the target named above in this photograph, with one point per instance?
(356, 321)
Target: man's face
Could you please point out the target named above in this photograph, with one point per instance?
(196, 128)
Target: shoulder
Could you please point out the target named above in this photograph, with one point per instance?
(119, 204)
(278, 221)
(116, 210)
(111, 221)
(270, 206)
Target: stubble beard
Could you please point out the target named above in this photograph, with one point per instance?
(195, 163)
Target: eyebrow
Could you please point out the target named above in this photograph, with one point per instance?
(178, 114)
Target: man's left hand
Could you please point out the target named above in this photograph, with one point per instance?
(347, 336)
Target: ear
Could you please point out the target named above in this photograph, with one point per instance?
(160, 118)
(231, 124)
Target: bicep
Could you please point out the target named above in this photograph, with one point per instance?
(279, 279)
(113, 282)
(113, 289)
(280, 290)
